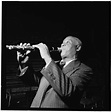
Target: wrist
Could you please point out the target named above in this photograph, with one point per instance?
(48, 60)
(23, 65)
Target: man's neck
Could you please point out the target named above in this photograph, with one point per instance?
(66, 61)
(69, 59)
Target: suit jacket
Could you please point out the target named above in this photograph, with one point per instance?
(66, 86)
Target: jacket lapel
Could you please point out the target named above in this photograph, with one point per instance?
(71, 66)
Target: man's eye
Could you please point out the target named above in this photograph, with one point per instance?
(67, 42)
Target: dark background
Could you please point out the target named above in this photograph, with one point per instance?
(51, 22)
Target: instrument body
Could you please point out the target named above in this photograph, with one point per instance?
(10, 47)
(29, 47)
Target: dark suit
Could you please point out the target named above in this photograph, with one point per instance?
(63, 88)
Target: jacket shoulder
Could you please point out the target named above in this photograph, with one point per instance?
(84, 67)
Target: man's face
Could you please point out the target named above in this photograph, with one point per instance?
(66, 48)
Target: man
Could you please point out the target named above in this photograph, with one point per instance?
(60, 87)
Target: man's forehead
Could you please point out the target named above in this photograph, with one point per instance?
(73, 40)
(70, 39)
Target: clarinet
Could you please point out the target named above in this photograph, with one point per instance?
(29, 47)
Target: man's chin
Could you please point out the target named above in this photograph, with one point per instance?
(63, 56)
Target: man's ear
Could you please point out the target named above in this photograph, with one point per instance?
(78, 48)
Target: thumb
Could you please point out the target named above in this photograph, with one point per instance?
(27, 52)
(18, 54)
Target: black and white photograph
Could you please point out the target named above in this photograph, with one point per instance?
(55, 55)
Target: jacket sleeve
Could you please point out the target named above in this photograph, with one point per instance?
(63, 84)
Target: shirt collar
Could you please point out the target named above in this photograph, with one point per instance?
(72, 65)
(67, 62)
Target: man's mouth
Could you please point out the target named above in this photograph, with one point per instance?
(59, 49)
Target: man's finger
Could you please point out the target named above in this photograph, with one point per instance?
(24, 44)
(20, 44)
(25, 60)
(27, 52)
(37, 46)
(18, 55)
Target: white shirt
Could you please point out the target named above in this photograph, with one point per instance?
(67, 62)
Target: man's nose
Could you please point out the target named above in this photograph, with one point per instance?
(62, 45)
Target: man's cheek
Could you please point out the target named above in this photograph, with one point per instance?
(62, 53)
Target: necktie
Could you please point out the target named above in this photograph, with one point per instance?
(40, 93)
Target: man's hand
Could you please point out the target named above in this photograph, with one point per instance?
(22, 57)
(44, 52)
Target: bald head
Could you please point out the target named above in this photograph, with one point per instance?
(74, 40)
(70, 46)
